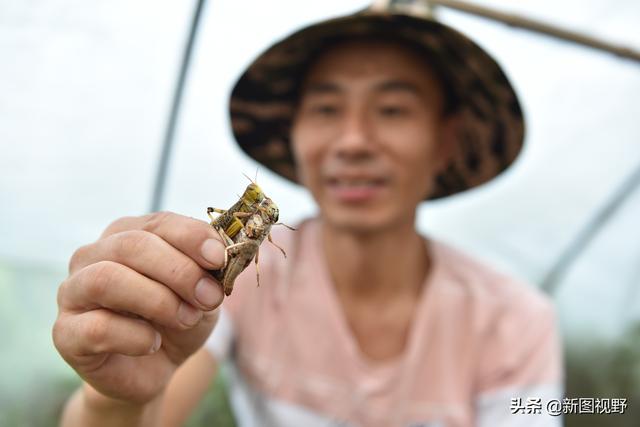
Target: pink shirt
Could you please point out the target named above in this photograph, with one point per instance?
(479, 339)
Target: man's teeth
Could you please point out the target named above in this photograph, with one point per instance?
(356, 183)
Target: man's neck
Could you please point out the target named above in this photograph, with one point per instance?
(376, 266)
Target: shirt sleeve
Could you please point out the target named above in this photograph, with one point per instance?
(521, 368)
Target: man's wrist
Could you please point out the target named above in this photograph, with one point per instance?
(90, 407)
(120, 411)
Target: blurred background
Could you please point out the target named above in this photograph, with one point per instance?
(85, 95)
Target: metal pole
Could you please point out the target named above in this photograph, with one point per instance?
(557, 272)
(169, 134)
(540, 27)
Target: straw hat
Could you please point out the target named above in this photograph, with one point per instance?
(491, 130)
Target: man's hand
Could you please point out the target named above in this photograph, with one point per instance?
(138, 302)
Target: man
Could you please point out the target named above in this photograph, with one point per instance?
(366, 322)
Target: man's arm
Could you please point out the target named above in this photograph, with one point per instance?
(186, 388)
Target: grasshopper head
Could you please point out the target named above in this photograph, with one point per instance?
(270, 210)
(252, 194)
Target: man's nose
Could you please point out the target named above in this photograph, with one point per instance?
(354, 139)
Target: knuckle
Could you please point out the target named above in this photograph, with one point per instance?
(96, 331)
(97, 279)
(163, 308)
(185, 271)
(156, 220)
(76, 258)
(62, 292)
(58, 333)
(130, 242)
(117, 225)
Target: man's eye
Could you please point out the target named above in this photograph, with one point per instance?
(393, 111)
(324, 110)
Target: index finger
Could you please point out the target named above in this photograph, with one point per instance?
(193, 237)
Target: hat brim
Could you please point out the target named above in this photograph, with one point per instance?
(491, 124)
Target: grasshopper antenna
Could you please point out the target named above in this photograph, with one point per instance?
(247, 176)
(288, 226)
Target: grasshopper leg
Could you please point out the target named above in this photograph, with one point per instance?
(242, 214)
(274, 244)
(227, 243)
(228, 277)
(224, 236)
(235, 226)
(210, 210)
(233, 249)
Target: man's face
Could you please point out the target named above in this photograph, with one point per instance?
(368, 135)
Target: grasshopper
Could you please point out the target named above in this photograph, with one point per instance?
(240, 251)
(231, 221)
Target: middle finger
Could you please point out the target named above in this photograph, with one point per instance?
(153, 257)
(114, 286)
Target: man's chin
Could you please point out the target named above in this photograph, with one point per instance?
(364, 223)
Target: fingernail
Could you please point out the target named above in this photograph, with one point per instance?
(208, 293)
(188, 315)
(156, 343)
(213, 251)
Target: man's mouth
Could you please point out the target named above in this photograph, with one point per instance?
(353, 189)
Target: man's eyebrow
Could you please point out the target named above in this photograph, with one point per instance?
(326, 87)
(321, 88)
(398, 85)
